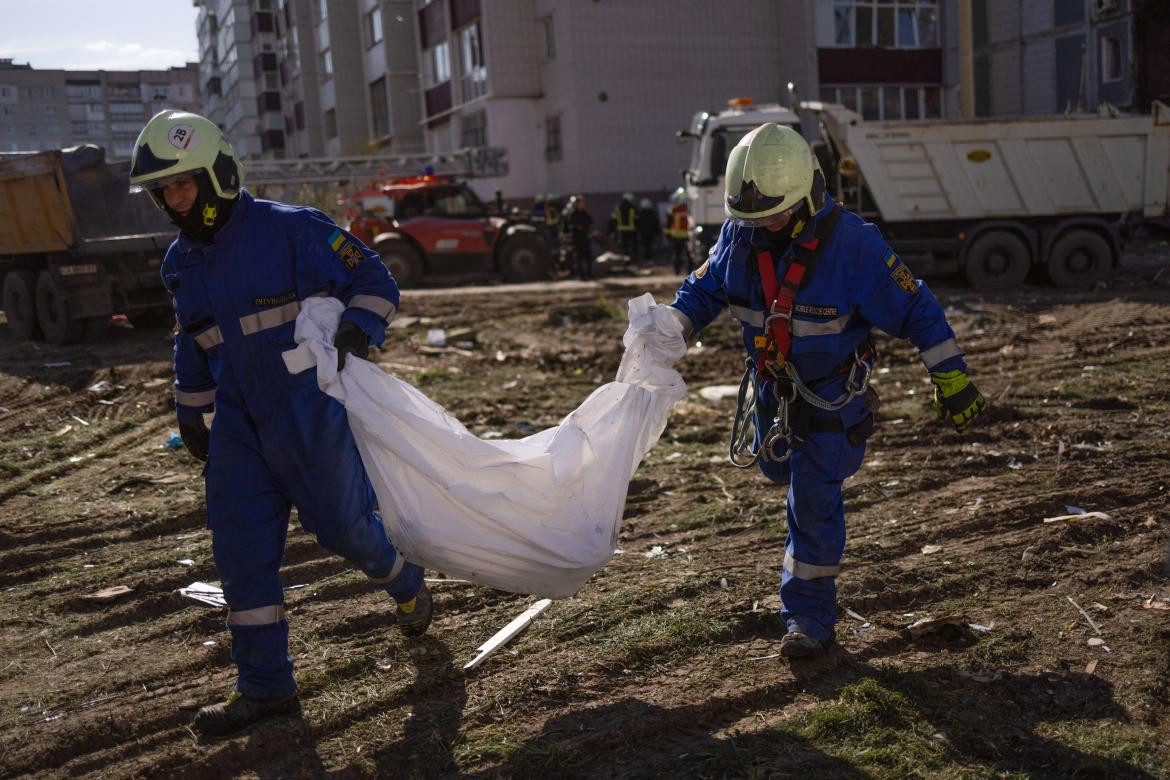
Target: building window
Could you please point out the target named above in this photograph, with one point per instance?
(326, 61)
(437, 64)
(552, 138)
(379, 108)
(126, 109)
(1110, 58)
(550, 38)
(374, 27)
(474, 130)
(331, 123)
(907, 24)
(887, 102)
(299, 116)
(473, 81)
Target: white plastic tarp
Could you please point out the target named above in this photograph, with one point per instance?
(534, 515)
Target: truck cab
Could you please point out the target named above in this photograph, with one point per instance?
(712, 136)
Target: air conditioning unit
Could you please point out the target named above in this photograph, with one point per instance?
(1107, 6)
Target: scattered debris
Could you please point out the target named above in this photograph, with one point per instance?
(764, 657)
(981, 676)
(508, 632)
(75, 417)
(204, 593)
(716, 393)
(723, 582)
(58, 365)
(158, 381)
(436, 337)
(1161, 604)
(1091, 666)
(101, 387)
(980, 628)
(657, 551)
(174, 441)
(106, 595)
(1014, 464)
(1096, 641)
(1078, 516)
(926, 626)
(1095, 627)
(931, 549)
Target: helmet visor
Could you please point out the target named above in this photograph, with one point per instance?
(772, 221)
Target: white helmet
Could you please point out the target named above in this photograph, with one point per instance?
(176, 142)
(678, 196)
(771, 171)
(646, 203)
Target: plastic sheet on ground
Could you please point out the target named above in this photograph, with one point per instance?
(534, 515)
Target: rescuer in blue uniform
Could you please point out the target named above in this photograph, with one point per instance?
(237, 274)
(808, 280)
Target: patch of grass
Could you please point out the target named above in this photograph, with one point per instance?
(8, 469)
(1100, 749)
(876, 728)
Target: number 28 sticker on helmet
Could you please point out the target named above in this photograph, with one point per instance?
(771, 172)
(175, 143)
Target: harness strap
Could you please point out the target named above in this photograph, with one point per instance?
(780, 298)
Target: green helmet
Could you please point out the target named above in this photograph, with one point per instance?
(176, 142)
(771, 171)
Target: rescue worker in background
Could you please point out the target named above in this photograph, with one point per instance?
(625, 224)
(808, 280)
(677, 231)
(552, 219)
(649, 229)
(237, 273)
(537, 215)
(580, 228)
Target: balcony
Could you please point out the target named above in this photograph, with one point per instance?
(268, 101)
(438, 99)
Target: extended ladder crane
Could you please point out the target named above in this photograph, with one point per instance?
(485, 161)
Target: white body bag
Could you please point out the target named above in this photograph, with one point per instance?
(534, 515)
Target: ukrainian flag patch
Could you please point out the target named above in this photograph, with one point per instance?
(336, 240)
(891, 259)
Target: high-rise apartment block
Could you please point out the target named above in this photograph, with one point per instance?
(52, 109)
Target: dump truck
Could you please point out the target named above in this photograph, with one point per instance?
(999, 199)
(76, 246)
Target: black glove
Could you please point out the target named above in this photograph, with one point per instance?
(350, 340)
(196, 437)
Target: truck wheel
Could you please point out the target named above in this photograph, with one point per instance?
(403, 261)
(997, 260)
(20, 304)
(1079, 259)
(524, 258)
(53, 314)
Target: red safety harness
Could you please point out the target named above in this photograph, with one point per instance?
(776, 342)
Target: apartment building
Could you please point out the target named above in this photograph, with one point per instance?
(586, 96)
(1056, 56)
(53, 109)
(885, 59)
(310, 78)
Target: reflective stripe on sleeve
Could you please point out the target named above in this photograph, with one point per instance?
(940, 352)
(820, 327)
(372, 303)
(197, 398)
(395, 570)
(748, 316)
(269, 318)
(809, 571)
(209, 338)
(261, 616)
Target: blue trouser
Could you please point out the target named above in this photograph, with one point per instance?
(301, 454)
(816, 525)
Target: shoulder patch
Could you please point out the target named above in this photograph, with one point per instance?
(350, 255)
(701, 271)
(901, 274)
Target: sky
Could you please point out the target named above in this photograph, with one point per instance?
(99, 34)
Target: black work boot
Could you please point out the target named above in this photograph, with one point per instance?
(797, 644)
(414, 616)
(228, 717)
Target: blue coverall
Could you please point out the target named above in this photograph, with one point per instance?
(859, 283)
(276, 441)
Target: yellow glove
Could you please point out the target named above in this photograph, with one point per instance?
(955, 396)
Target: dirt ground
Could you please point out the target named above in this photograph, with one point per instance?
(664, 664)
